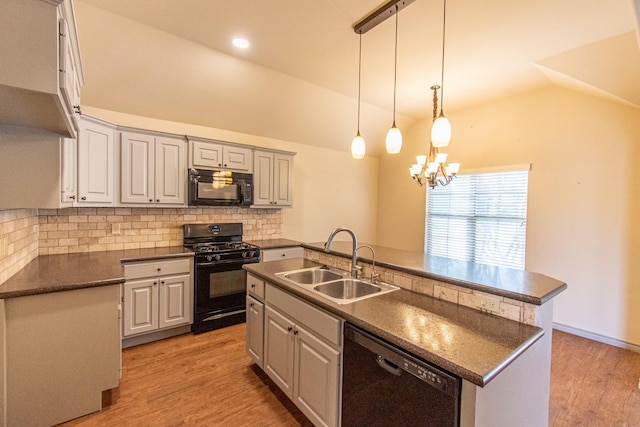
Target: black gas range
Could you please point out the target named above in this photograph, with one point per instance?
(220, 281)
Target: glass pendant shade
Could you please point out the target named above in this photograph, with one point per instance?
(358, 147)
(394, 140)
(441, 132)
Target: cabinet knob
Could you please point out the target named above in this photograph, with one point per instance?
(157, 200)
(290, 328)
(83, 198)
(295, 332)
(162, 282)
(253, 286)
(250, 304)
(159, 269)
(150, 200)
(155, 283)
(72, 197)
(225, 165)
(283, 255)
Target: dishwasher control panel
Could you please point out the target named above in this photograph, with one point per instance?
(425, 374)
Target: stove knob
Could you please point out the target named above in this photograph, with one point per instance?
(216, 257)
(253, 254)
(245, 254)
(209, 258)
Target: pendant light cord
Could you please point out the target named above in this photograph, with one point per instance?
(395, 70)
(444, 23)
(359, 77)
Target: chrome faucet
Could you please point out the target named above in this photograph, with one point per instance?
(355, 269)
(374, 276)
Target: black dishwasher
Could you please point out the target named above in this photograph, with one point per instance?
(386, 386)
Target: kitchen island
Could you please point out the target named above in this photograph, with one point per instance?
(502, 357)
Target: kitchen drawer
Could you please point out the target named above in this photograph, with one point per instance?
(255, 286)
(324, 324)
(156, 268)
(282, 253)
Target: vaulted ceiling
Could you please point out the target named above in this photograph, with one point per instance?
(174, 60)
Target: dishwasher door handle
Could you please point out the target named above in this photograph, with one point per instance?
(387, 366)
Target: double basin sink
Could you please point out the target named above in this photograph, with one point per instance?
(335, 285)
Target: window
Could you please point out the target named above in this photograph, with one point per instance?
(480, 218)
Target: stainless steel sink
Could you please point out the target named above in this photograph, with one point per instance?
(347, 289)
(312, 276)
(335, 285)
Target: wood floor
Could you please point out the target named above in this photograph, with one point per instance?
(208, 380)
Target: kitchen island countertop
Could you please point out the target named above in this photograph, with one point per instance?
(471, 344)
(55, 273)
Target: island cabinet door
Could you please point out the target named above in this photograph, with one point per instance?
(174, 300)
(278, 350)
(255, 330)
(140, 306)
(316, 379)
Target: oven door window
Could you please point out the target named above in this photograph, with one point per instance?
(220, 287)
(220, 188)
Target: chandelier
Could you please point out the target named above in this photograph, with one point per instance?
(432, 169)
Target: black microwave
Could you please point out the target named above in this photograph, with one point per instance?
(220, 188)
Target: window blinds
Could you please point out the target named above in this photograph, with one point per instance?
(480, 218)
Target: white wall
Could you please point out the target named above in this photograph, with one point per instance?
(330, 189)
(584, 193)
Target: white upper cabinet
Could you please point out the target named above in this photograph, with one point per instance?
(209, 154)
(153, 169)
(96, 156)
(41, 72)
(273, 179)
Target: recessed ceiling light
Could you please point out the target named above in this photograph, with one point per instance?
(240, 42)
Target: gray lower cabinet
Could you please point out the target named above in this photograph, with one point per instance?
(301, 350)
(157, 295)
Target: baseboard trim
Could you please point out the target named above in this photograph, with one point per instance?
(596, 337)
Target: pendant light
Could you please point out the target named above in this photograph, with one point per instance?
(358, 146)
(394, 137)
(441, 128)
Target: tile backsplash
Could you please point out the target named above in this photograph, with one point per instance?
(75, 230)
(18, 240)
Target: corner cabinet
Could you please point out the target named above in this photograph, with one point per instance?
(41, 73)
(157, 295)
(51, 156)
(153, 169)
(96, 162)
(301, 352)
(272, 179)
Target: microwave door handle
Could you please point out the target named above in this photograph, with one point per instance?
(240, 193)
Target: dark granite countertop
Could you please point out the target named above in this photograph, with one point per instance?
(533, 288)
(274, 243)
(55, 273)
(469, 343)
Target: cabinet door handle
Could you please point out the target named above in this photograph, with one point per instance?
(72, 197)
(295, 332)
(290, 328)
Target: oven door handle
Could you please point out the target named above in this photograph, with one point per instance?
(215, 263)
